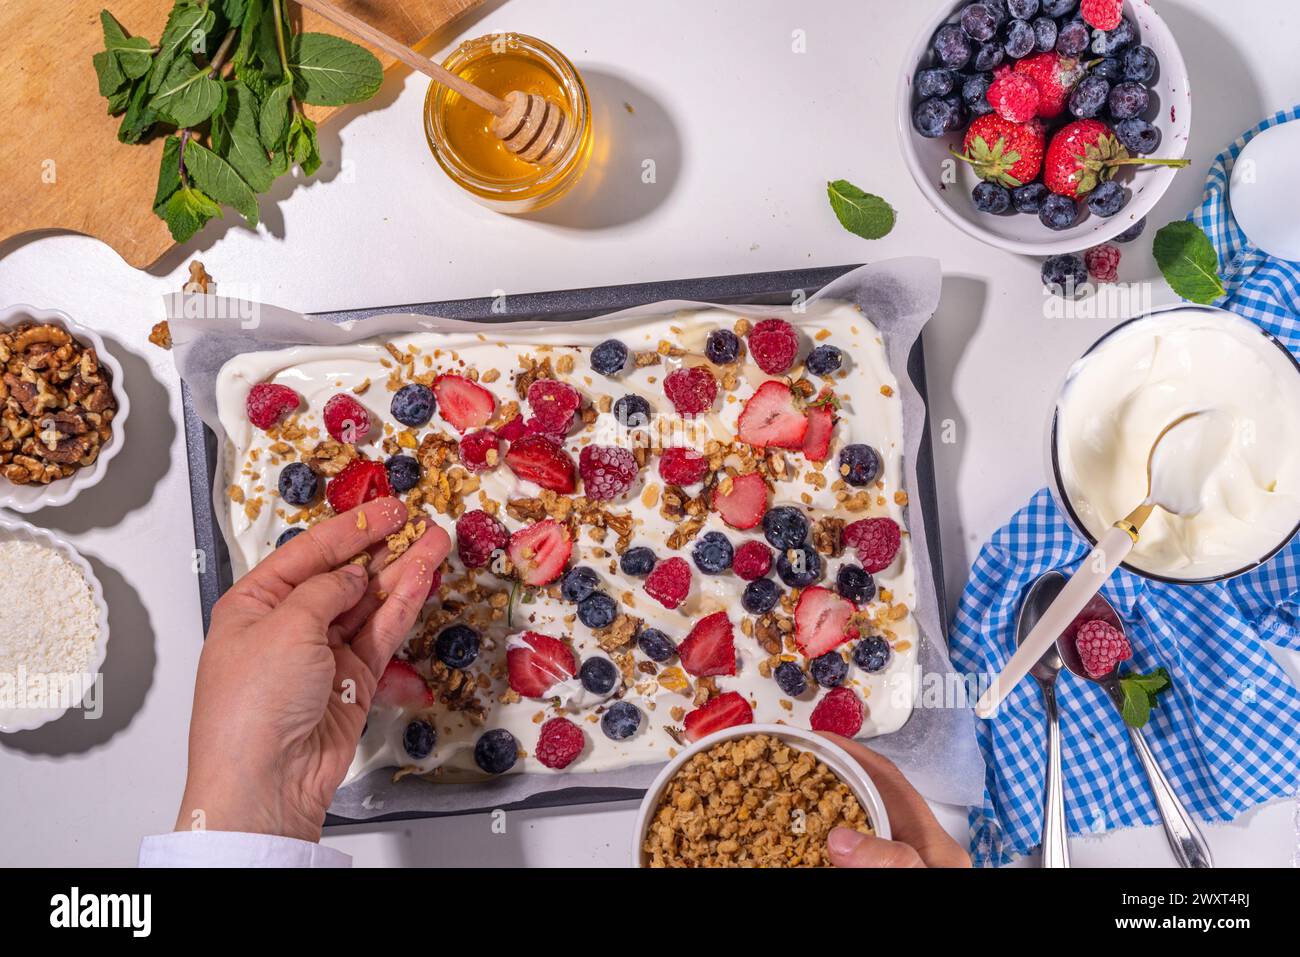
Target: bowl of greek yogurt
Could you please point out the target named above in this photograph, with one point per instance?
(1145, 374)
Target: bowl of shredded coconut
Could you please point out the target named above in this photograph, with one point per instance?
(53, 629)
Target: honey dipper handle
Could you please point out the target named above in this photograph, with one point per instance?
(383, 41)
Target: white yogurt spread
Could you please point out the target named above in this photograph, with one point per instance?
(1233, 473)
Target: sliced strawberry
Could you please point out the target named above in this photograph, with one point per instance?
(745, 501)
(710, 648)
(821, 428)
(770, 418)
(401, 686)
(725, 711)
(360, 481)
(542, 460)
(537, 662)
(821, 621)
(466, 405)
(269, 402)
(539, 551)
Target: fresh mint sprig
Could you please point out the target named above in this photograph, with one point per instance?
(1188, 261)
(1140, 694)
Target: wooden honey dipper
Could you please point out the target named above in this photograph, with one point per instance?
(531, 126)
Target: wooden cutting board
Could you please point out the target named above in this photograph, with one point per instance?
(60, 161)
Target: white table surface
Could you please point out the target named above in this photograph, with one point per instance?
(739, 189)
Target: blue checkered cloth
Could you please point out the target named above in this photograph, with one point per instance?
(1228, 733)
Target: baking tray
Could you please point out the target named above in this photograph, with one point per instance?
(769, 288)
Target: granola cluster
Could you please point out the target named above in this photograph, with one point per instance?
(750, 802)
(56, 404)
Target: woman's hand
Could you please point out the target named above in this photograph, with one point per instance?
(919, 841)
(289, 667)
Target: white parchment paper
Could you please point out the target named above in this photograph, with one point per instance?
(936, 748)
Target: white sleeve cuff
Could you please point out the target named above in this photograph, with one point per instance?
(235, 849)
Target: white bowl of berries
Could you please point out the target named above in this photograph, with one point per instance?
(1045, 126)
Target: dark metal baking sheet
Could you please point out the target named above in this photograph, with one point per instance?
(771, 288)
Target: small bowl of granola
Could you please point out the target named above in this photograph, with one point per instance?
(62, 408)
(756, 795)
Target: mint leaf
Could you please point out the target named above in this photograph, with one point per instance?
(1189, 263)
(331, 71)
(188, 26)
(187, 211)
(235, 138)
(273, 120)
(301, 145)
(140, 116)
(188, 95)
(169, 174)
(1140, 695)
(134, 55)
(860, 213)
(218, 179)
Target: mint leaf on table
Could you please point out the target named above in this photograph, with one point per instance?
(235, 137)
(1190, 265)
(131, 56)
(859, 212)
(189, 95)
(187, 211)
(1140, 694)
(273, 120)
(218, 179)
(331, 71)
(169, 174)
(140, 116)
(186, 23)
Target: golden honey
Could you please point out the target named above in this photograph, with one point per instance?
(460, 135)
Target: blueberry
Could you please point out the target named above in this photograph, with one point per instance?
(1128, 100)
(859, 465)
(855, 583)
(989, 56)
(1065, 275)
(1138, 136)
(496, 751)
(829, 670)
(1108, 68)
(978, 21)
(298, 483)
(1108, 198)
(1109, 43)
(456, 646)
(632, 412)
(935, 82)
(1022, 9)
(872, 653)
(991, 198)
(609, 357)
(1072, 39)
(289, 534)
(620, 721)
(1028, 198)
(975, 94)
(1020, 39)
(1133, 232)
(1140, 64)
(597, 610)
(598, 675)
(999, 10)
(1059, 8)
(791, 679)
(1045, 33)
(760, 596)
(403, 473)
(712, 553)
(578, 582)
(785, 527)
(935, 117)
(639, 561)
(413, 404)
(655, 645)
(799, 567)
(824, 360)
(952, 46)
(722, 347)
(1058, 212)
(419, 738)
(1089, 97)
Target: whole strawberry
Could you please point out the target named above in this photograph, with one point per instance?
(1004, 152)
(1055, 76)
(1086, 153)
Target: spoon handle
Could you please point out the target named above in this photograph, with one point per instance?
(1185, 838)
(1056, 848)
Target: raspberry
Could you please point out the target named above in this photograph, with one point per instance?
(559, 743)
(691, 391)
(554, 404)
(670, 582)
(876, 539)
(1101, 647)
(773, 344)
(269, 402)
(480, 451)
(607, 471)
(478, 535)
(1014, 97)
(513, 429)
(1103, 262)
(752, 560)
(1102, 14)
(839, 712)
(346, 419)
(682, 466)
